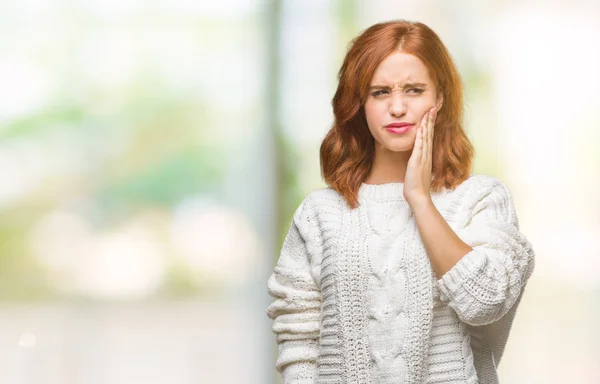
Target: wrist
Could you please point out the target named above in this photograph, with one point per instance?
(420, 203)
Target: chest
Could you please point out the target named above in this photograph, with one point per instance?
(377, 240)
(374, 239)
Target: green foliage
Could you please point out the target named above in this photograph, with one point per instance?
(164, 182)
(49, 119)
(160, 160)
(21, 278)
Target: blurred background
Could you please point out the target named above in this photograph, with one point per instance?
(152, 154)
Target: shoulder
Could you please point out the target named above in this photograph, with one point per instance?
(477, 186)
(481, 192)
(322, 199)
(320, 205)
(481, 182)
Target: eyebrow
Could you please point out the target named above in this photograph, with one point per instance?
(407, 85)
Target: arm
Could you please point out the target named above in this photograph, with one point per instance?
(296, 309)
(443, 246)
(483, 267)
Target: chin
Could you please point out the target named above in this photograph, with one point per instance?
(399, 148)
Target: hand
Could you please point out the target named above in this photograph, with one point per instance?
(417, 181)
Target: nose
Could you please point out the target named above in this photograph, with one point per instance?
(397, 105)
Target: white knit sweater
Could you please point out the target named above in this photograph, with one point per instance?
(357, 301)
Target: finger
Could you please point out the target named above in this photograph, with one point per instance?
(432, 126)
(433, 120)
(418, 143)
(426, 130)
(420, 137)
(431, 132)
(424, 120)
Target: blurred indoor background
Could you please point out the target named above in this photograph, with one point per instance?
(152, 154)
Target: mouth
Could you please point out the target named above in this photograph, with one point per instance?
(398, 128)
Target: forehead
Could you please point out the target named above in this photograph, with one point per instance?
(400, 67)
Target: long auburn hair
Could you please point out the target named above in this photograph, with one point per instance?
(348, 149)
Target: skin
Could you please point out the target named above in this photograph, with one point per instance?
(407, 158)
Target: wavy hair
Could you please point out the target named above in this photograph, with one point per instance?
(348, 149)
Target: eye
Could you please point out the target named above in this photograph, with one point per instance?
(417, 91)
(379, 92)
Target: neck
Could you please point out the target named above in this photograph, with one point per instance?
(388, 166)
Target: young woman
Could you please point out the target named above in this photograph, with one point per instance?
(407, 268)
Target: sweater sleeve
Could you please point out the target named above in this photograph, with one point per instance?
(483, 285)
(296, 309)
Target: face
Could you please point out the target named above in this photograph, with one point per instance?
(401, 91)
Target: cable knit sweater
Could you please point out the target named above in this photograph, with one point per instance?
(357, 301)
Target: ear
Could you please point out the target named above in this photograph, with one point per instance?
(439, 102)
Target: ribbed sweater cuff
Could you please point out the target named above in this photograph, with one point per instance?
(303, 372)
(450, 284)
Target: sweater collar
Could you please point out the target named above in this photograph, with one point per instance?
(391, 191)
(381, 191)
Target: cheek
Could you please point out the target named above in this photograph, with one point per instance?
(373, 113)
(422, 108)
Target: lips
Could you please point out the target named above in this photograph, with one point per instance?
(397, 125)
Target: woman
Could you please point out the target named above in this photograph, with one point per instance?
(407, 268)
